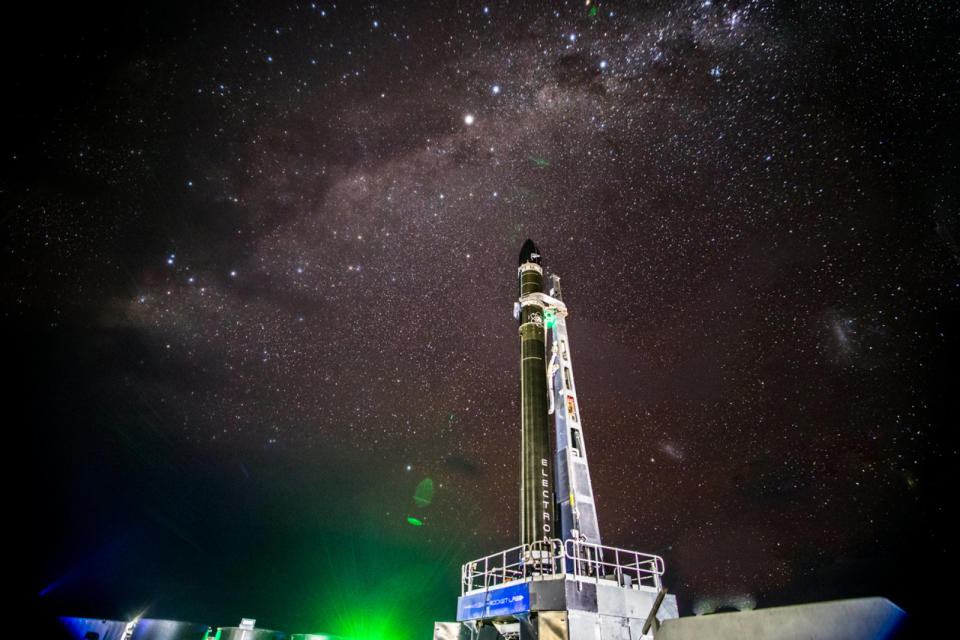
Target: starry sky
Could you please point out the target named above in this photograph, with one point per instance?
(260, 259)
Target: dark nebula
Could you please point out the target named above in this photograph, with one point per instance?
(260, 262)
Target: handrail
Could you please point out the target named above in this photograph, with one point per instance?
(626, 568)
(550, 558)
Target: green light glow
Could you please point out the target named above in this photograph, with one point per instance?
(379, 579)
(424, 493)
(540, 162)
(593, 11)
(549, 318)
(365, 627)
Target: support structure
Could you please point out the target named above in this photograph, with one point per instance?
(575, 503)
(560, 583)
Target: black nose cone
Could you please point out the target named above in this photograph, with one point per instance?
(529, 252)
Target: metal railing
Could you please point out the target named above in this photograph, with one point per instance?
(626, 567)
(537, 560)
(557, 558)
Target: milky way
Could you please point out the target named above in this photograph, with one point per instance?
(261, 261)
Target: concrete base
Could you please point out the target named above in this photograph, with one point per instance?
(858, 619)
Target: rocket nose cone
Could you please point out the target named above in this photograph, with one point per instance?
(529, 252)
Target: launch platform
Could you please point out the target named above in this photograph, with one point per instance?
(564, 589)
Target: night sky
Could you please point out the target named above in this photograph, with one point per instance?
(259, 267)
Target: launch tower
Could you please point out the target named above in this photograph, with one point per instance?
(561, 582)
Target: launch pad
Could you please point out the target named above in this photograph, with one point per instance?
(561, 582)
(569, 589)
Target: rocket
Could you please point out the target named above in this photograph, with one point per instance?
(556, 494)
(536, 464)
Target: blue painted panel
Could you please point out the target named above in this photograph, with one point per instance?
(501, 601)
